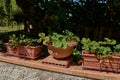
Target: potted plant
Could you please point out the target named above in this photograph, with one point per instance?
(60, 46)
(11, 45)
(98, 55)
(110, 62)
(77, 56)
(116, 50)
(89, 52)
(25, 47)
(29, 48)
(108, 42)
(114, 60)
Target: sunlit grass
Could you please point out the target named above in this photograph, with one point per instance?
(10, 28)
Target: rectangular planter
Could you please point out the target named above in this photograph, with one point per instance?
(11, 50)
(90, 61)
(31, 52)
(111, 64)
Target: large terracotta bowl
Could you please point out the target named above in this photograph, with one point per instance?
(60, 53)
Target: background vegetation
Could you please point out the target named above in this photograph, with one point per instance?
(8, 13)
(87, 18)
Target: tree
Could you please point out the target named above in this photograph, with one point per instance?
(56, 15)
(31, 22)
(8, 11)
(45, 15)
(2, 14)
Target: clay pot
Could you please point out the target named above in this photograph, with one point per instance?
(111, 64)
(90, 61)
(10, 50)
(31, 52)
(60, 53)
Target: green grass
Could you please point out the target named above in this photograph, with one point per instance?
(9, 29)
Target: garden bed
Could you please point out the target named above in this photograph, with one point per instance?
(72, 70)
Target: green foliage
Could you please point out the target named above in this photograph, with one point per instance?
(103, 51)
(108, 42)
(59, 40)
(85, 40)
(70, 36)
(15, 40)
(30, 42)
(76, 55)
(8, 8)
(96, 47)
(89, 45)
(117, 48)
(41, 37)
(3, 15)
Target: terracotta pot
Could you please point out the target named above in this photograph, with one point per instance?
(33, 51)
(90, 61)
(10, 50)
(60, 53)
(21, 50)
(30, 52)
(111, 64)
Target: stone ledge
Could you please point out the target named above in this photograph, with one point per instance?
(76, 70)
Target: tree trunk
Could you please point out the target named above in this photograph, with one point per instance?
(32, 26)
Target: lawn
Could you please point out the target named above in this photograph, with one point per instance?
(9, 29)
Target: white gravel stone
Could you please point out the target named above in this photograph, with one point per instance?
(14, 72)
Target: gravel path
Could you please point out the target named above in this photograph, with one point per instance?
(14, 72)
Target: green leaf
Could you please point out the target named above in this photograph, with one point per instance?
(64, 45)
(57, 44)
(42, 35)
(47, 39)
(85, 41)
